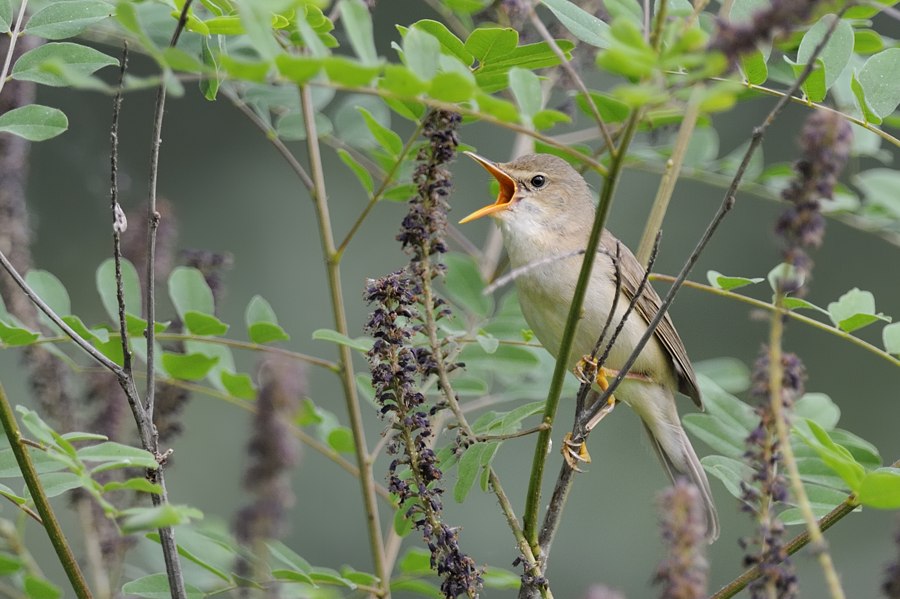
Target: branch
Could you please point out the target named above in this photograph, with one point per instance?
(782, 430)
(332, 265)
(784, 312)
(533, 499)
(41, 503)
(13, 37)
(579, 83)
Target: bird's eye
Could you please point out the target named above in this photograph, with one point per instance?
(538, 181)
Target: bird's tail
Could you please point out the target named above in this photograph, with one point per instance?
(677, 455)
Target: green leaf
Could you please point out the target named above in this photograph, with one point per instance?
(731, 472)
(881, 489)
(80, 60)
(835, 456)
(362, 174)
(464, 285)
(348, 72)
(262, 324)
(854, 310)
(467, 470)
(322, 575)
(106, 287)
(488, 44)
(238, 385)
(43, 432)
(162, 516)
(879, 83)
(727, 283)
(40, 588)
(287, 556)
(836, 53)
(730, 374)
(421, 53)
(156, 586)
(6, 16)
(452, 87)
(116, 452)
(819, 408)
(784, 272)
(796, 303)
(190, 292)
(34, 122)
(57, 483)
(580, 23)
(891, 336)
(9, 564)
(188, 367)
(340, 439)
(866, 41)
(292, 576)
(60, 20)
(449, 42)
(204, 324)
(612, 110)
(388, 140)
(357, 23)
(415, 562)
(360, 344)
(311, 39)
(16, 336)
(498, 578)
(52, 291)
(15, 498)
(880, 188)
(864, 11)
(753, 65)
(141, 485)
(526, 88)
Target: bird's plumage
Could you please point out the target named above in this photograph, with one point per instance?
(545, 209)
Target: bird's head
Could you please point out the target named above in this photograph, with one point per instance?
(537, 192)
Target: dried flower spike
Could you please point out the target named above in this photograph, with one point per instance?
(684, 571)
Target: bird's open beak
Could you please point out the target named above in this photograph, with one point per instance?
(507, 188)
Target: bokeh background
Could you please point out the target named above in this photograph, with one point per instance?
(232, 192)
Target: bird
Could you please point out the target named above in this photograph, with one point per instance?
(545, 213)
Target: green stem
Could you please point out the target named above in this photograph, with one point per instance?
(41, 503)
(376, 197)
(789, 313)
(332, 266)
(533, 499)
(776, 375)
(670, 176)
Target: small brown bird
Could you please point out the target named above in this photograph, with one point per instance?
(545, 209)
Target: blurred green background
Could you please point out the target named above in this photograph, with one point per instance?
(232, 192)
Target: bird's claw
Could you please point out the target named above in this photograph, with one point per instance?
(575, 452)
(587, 370)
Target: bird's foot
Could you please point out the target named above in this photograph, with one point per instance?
(575, 452)
(589, 371)
(608, 406)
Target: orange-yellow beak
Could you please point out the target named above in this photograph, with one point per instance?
(507, 188)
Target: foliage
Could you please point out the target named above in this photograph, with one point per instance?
(313, 71)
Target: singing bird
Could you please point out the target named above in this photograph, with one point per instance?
(545, 213)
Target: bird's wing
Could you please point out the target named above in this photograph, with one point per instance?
(648, 306)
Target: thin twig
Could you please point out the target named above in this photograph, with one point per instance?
(13, 37)
(782, 430)
(576, 79)
(796, 544)
(727, 204)
(533, 499)
(53, 316)
(332, 264)
(117, 215)
(167, 534)
(565, 479)
(41, 503)
(507, 437)
(784, 312)
(379, 193)
(515, 273)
